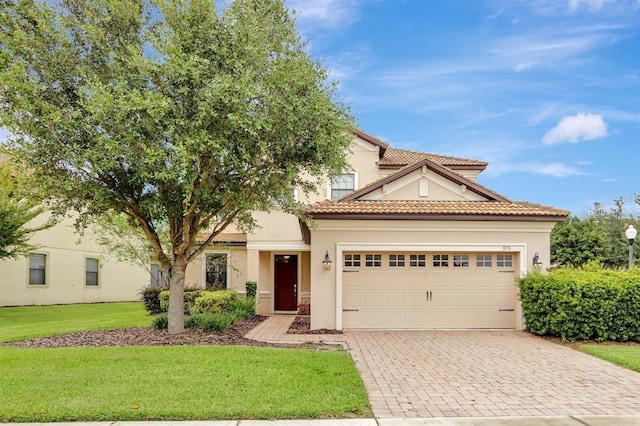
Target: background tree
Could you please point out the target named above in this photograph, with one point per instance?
(170, 112)
(18, 208)
(575, 242)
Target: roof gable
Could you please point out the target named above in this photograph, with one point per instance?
(433, 167)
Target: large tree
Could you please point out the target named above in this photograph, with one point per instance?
(18, 208)
(181, 114)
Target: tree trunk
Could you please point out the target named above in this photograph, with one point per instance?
(176, 299)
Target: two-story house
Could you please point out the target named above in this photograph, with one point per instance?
(401, 240)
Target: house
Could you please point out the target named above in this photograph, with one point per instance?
(401, 240)
(68, 268)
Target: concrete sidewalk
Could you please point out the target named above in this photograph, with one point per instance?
(443, 421)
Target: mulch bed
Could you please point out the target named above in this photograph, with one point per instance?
(302, 325)
(147, 336)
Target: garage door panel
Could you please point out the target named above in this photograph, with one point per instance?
(467, 296)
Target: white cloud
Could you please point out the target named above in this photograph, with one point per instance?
(522, 67)
(576, 128)
(555, 169)
(592, 5)
(325, 13)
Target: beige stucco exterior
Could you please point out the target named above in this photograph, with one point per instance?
(65, 253)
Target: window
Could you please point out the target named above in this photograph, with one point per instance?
(351, 260)
(373, 260)
(159, 277)
(440, 260)
(396, 260)
(37, 269)
(417, 260)
(460, 260)
(216, 271)
(504, 261)
(343, 185)
(91, 271)
(483, 261)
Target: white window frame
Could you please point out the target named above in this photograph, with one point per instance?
(204, 266)
(424, 188)
(98, 273)
(397, 260)
(356, 184)
(46, 269)
(461, 260)
(417, 260)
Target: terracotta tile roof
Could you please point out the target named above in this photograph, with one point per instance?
(408, 209)
(394, 157)
(228, 238)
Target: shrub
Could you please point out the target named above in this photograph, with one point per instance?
(150, 297)
(251, 288)
(218, 322)
(161, 322)
(244, 308)
(583, 304)
(212, 302)
(190, 295)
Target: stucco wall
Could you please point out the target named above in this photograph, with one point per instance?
(527, 237)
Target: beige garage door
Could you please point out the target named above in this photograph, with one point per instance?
(428, 290)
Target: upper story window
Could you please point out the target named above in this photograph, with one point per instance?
(343, 185)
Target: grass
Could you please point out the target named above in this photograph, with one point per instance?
(27, 322)
(177, 383)
(163, 383)
(627, 356)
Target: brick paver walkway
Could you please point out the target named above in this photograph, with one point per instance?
(486, 373)
(274, 330)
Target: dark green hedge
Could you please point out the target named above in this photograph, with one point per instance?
(583, 304)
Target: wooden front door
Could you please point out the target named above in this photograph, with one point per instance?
(285, 279)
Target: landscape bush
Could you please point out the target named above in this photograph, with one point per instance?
(212, 302)
(590, 303)
(189, 297)
(150, 297)
(244, 307)
(213, 323)
(161, 322)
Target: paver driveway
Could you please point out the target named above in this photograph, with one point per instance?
(486, 373)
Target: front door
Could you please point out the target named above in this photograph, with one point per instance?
(285, 279)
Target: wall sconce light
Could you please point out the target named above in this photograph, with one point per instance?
(327, 261)
(536, 260)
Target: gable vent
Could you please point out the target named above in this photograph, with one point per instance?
(424, 188)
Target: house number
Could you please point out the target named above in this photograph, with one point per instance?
(506, 248)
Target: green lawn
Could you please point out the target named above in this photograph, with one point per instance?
(627, 356)
(27, 322)
(163, 383)
(177, 383)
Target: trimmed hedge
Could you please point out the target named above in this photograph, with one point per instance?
(212, 302)
(583, 304)
(189, 296)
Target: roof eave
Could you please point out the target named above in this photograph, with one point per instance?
(448, 217)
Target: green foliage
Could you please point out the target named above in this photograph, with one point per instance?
(213, 323)
(582, 304)
(575, 242)
(251, 289)
(160, 322)
(150, 297)
(18, 208)
(210, 302)
(183, 116)
(189, 296)
(244, 307)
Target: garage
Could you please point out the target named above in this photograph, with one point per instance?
(447, 290)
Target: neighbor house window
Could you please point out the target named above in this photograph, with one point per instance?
(460, 260)
(373, 260)
(483, 261)
(343, 185)
(396, 260)
(504, 261)
(440, 260)
(91, 266)
(417, 260)
(352, 260)
(159, 277)
(216, 271)
(37, 269)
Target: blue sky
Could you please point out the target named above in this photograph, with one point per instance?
(548, 92)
